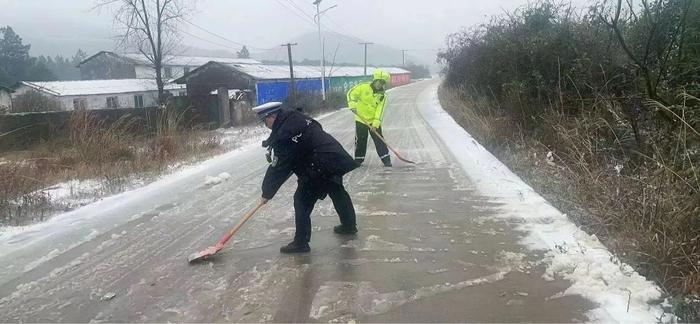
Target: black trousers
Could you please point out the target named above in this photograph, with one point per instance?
(305, 199)
(361, 131)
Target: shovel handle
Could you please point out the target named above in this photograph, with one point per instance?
(238, 226)
(374, 130)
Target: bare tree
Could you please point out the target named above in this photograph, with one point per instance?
(149, 27)
(657, 37)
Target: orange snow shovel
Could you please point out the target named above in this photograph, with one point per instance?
(208, 252)
(374, 130)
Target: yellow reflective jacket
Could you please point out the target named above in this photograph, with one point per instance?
(368, 104)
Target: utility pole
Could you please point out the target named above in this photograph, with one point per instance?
(321, 44)
(366, 43)
(293, 89)
(403, 57)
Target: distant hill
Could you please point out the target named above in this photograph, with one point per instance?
(348, 51)
(195, 51)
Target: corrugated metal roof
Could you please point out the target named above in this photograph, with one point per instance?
(394, 70)
(274, 72)
(196, 61)
(281, 72)
(347, 71)
(96, 87)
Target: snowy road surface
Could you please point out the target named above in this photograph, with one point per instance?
(455, 238)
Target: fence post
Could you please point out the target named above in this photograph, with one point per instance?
(224, 110)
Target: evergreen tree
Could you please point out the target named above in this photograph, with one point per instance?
(78, 57)
(243, 53)
(14, 56)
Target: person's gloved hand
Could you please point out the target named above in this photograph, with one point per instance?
(376, 124)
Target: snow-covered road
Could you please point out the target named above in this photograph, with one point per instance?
(455, 238)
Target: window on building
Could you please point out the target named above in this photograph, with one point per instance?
(168, 72)
(138, 101)
(186, 69)
(79, 104)
(112, 102)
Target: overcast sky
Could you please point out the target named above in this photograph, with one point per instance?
(62, 26)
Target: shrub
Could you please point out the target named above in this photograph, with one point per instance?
(612, 92)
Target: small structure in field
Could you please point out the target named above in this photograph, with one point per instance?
(5, 99)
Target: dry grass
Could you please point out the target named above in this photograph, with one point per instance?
(642, 202)
(113, 154)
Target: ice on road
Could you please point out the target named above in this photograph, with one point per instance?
(456, 237)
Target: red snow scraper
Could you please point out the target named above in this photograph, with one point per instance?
(374, 130)
(208, 252)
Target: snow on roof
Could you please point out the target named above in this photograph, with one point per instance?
(196, 61)
(273, 72)
(281, 72)
(347, 71)
(96, 87)
(393, 70)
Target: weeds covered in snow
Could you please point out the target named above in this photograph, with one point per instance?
(643, 206)
(97, 159)
(94, 160)
(573, 101)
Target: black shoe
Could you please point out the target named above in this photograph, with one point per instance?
(295, 247)
(340, 229)
(387, 162)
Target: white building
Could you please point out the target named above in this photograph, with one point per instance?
(101, 94)
(5, 99)
(109, 65)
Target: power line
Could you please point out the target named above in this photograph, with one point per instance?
(277, 54)
(224, 38)
(209, 41)
(344, 30)
(341, 27)
(309, 19)
(294, 4)
(304, 18)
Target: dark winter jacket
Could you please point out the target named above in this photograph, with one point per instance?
(299, 145)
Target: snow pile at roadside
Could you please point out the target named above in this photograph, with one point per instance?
(622, 294)
(215, 180)
(75, 193)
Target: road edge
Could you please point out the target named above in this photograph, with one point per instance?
(622, 295)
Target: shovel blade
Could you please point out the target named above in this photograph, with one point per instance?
(203, 255)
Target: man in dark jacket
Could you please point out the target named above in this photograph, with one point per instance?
(299, 145)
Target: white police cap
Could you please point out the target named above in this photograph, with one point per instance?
(267, 109)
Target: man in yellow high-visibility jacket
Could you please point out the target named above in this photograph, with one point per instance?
(368, 100)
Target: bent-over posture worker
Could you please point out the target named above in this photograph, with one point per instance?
(299, 145)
